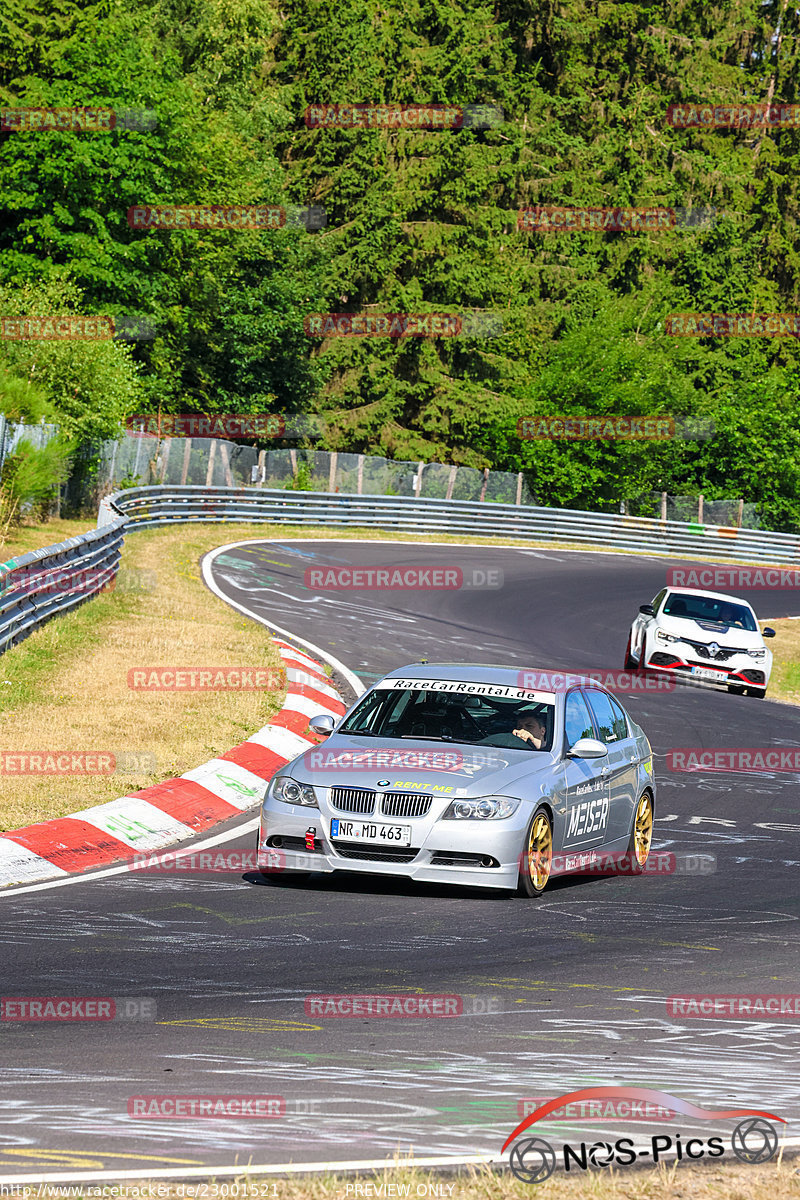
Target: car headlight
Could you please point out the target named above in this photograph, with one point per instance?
(287, 789)
(486, 808)
(665, 637)
(757, 653)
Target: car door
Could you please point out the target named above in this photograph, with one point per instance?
(586, 790)
(622, 776)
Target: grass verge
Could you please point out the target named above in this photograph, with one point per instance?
(784, 682)
(770, 1181)
(65, 688)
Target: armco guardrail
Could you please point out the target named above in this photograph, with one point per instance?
(39, 585)
(43, 583)
(148, 506)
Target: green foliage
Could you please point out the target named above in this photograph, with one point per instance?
(21, 402)
(418, 221)
(302, 481)
(89, 386)
(31, 476)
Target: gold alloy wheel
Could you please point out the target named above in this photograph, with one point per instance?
(540, 851)
(643, 829)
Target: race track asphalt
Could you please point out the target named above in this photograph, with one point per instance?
(561, 993)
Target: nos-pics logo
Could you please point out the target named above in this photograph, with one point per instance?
(532, 1159)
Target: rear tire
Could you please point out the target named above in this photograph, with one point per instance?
(537, 855)
(641, 834)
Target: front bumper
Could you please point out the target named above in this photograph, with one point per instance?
(740, 669)
(467, 853)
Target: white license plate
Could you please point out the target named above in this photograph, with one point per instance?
(370, 831)
(704, 673)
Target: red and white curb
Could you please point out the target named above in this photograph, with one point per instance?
(179, 808)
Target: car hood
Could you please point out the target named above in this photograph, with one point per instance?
(707, 632)
(441, 768)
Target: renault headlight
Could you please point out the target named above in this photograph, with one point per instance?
(757, 653)
(486, 808)
(661, 636)
(287, 789)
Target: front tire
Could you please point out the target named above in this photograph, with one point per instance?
(641, 834)
(757, 693)
(630, 663)
(537, 854)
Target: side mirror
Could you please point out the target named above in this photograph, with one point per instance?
(768, 632)
(587, 748)
(322, 725)
(647, 609)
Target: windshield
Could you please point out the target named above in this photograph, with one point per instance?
(453, 717)
(711, 610)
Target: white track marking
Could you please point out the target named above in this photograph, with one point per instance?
(208, 560)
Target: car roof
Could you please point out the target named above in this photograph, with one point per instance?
(489, 673)
(682, 591)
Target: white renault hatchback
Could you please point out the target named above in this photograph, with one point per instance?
(707, 636)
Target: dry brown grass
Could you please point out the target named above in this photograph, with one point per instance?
(729, 1182)
(66, 687)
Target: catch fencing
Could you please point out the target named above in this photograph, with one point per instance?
(213, 462)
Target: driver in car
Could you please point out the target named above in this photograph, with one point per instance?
(527, 727)
(530, 729)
